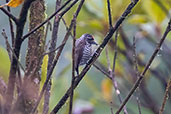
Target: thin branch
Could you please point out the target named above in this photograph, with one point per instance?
(112, 73)
(49, 18)
(165, 97)
(95, 56)
(109, 14)
(73, 64)
(10, 15)
(3, 87)
(11, 26)
(10, 50)
(137, 73)
(53, 50)
(111, 108)
(138, 82)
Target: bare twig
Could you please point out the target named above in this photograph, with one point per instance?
(137, 73)
(95, 56)
(109, 14)
(49, 18)
(138, 82)
(10, 15)
(73, 63)
(112, 73)
(165, 97)
(3, 87)
(11, 26)
(8, 47)
(111, 108)
(10, 50)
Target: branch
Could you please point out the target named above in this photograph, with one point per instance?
(49, 18)
(109, 13)
(10, 15)
(11, 26)
(14, 64)
(73, 65)
(112, 73)
(95, 56)
(137, 72)
(138, 82)
(10, 50)
(165, 97)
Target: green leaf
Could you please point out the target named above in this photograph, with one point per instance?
(4, 64)
(138, 19)
(44, 70)
(154, 11)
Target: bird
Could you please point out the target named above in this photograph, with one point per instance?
(83, 50)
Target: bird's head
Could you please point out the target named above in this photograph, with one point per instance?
(89, 39)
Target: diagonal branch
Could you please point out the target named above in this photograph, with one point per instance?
(95, 56)
(165, 97)
(10, 15)
(138, 82)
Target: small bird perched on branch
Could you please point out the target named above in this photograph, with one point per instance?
(83, 50)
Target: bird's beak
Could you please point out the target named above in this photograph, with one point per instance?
(93, 42)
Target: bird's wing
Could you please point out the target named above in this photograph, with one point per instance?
(79, 48)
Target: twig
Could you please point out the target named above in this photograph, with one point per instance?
(111, 108)
(137, 83)
(165, 97)
(3, 87)
(63, 20)
(95, 56)
(11, 26)
(53, 50)
(10, 15)
(137, 72)
(8, 47)
(73, 64)
(49, 18)
(10, 50)
(112, 73)
(109, 14)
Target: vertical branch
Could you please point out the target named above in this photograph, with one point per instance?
(139, 80)
(112, 73)
(109, 14)
(165, 97)
(73, 67)
(137, 73)
(51, 56)
(11, 26)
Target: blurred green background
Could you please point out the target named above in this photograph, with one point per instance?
(147, 23)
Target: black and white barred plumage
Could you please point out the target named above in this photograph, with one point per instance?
(83, 50)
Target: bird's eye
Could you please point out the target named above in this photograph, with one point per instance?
(90, 39)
